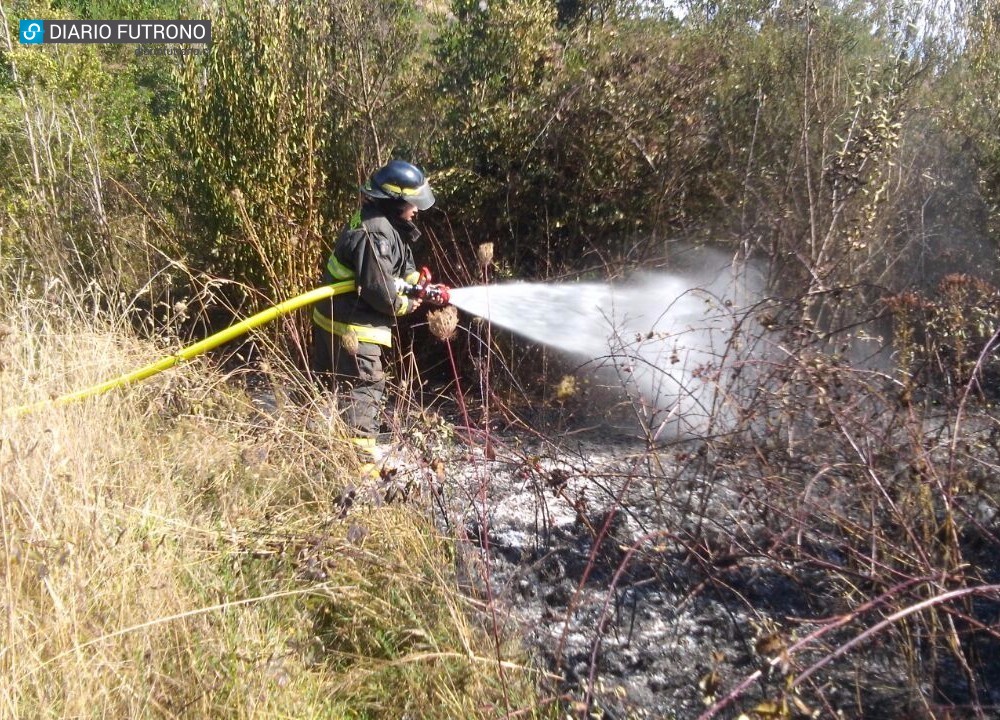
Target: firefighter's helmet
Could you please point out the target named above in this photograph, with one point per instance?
(399, 180)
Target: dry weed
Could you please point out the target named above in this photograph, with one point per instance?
(168, 550)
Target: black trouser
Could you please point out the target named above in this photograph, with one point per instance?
(357, 379)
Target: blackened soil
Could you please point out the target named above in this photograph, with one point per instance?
(655, 591)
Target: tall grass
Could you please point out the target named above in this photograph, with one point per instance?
(167, 551)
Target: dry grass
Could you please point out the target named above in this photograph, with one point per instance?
(166, 554)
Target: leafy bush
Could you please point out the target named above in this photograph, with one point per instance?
(80, 139)
(277, 128)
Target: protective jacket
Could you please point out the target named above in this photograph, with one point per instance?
(374, 251)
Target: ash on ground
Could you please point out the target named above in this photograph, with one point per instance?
(655, 587)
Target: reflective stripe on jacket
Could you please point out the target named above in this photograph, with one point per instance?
(365, 333)
(379, 336)
(373, 252)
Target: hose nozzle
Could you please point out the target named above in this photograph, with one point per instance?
(423, 289)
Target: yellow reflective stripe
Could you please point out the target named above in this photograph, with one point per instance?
(322, 320)
(401, 190)
(413, 278)
(365, 333)
(337, 269)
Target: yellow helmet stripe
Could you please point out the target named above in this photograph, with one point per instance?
(402, 190)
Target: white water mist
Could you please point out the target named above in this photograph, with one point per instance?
(663, 338)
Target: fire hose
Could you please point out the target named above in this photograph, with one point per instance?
(435, 294)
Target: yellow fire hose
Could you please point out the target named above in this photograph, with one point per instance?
(212, 341)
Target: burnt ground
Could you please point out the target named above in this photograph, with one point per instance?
(710, 578)
(654, 591)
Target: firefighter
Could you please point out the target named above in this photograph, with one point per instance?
(351, 329)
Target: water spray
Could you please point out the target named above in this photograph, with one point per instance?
(661, 337)
(661, 331)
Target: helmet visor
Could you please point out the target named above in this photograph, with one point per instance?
(421, 196)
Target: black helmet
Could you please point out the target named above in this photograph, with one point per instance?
(399, 180)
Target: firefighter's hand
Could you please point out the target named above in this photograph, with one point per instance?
(408, 305)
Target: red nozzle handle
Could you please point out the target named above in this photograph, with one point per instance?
(438, 294)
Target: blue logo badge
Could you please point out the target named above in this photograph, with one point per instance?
(32, 32)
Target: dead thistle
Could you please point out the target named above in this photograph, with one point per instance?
(443, 322)
(566, 387)
(484, 254)
(349, 340)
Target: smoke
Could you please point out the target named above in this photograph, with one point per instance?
(665, 340)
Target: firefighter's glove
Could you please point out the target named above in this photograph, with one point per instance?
(406, 305)
(406, 297)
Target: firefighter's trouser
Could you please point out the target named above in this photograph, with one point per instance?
(356, 378)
